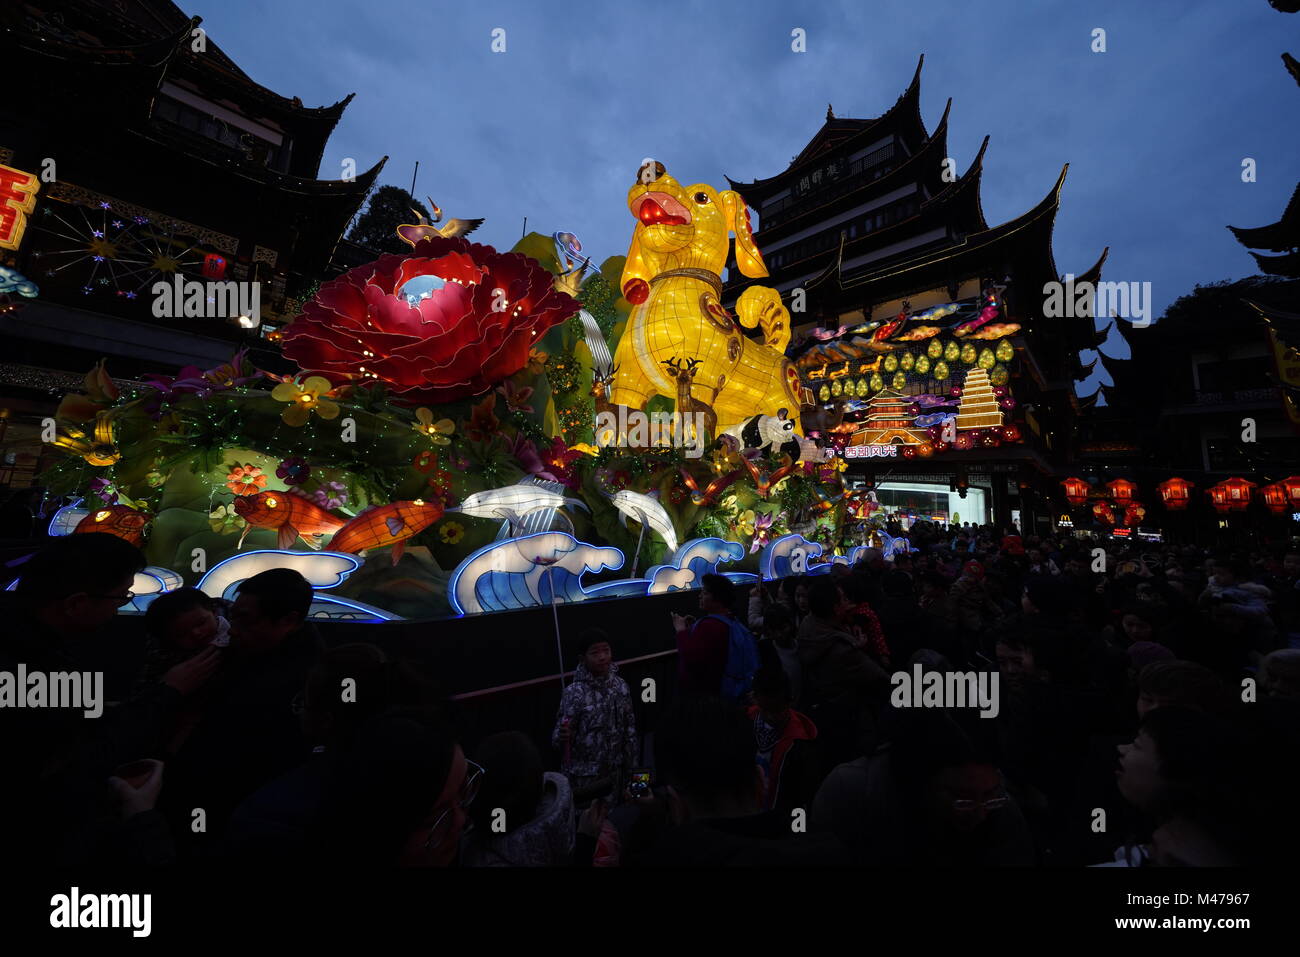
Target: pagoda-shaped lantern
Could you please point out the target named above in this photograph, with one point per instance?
(1176, 493)
(1238, 493)
(1292, 486)
(1076, 491)
(1122, 490)
(1218, 497)
(1274, 497)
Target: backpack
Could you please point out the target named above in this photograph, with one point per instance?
(742, 659)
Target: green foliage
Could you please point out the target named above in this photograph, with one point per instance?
(376, 228)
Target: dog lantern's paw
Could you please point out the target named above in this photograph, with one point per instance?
(761, 306)
(636, 291)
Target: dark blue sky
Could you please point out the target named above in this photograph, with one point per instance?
(1154, 129)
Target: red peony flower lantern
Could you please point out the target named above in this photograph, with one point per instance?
(1274, 497)
(446, 322)
(1076, 491)
(1175, 493)
(1122, 490)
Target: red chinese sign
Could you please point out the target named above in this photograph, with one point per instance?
(17, 199)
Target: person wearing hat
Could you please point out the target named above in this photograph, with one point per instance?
(595, 729)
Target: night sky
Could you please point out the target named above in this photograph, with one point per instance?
(1155, 129)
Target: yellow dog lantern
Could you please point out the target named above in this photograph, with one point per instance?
(679, 326)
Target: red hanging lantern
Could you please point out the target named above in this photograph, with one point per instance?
(1238, 490)
(214, 266)
(1122, 490)
(1218, 497)
(1175, 493)
(1076, 491)
(1274, 497)
(1102, 512)
(1134, 512)
(1292, 486)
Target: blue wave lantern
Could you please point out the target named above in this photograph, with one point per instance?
(791, 555)
(532, 570)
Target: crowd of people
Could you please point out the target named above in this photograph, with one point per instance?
(1147, 713)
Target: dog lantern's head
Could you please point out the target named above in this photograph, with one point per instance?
(684, 227)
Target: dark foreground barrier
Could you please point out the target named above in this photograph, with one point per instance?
(502, 670)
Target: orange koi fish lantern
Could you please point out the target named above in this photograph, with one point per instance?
(386, 525)
(126, 523)
(291, 515)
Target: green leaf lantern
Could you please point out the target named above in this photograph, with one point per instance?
(923, 365)
(824, 393)
(1005, 351)
(900, 382)
(969, 355)
(986, 360)
(864, 389)
(951, 352)
(907, 362)
(837, 389)
(999, 375)
(877, 383)
(941, 371)
(935, 349)
(891, 363)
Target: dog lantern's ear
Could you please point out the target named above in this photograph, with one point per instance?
(748, 258)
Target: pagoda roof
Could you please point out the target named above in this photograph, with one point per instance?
(1285, 324)
(966, 189)
(1118, 369)
(1093, 272)
(905, 172)
(1281, 236)
(1288, 264)
(1082, 371)
(148, 32)
(1043, 212)
(845, 131)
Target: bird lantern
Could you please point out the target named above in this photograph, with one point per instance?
(1122, 490)
(1175, 493)
(1076, 491)
(1274, 497)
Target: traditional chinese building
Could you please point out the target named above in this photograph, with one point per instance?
(880, 239)
(1202, 398)
(156, 159)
